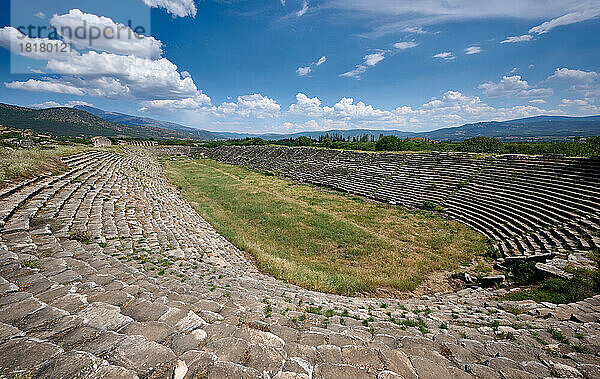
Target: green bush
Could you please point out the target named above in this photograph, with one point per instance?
(524, 273)
(482, 145)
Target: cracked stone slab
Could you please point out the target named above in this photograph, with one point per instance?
(140, 355)
(104, 316)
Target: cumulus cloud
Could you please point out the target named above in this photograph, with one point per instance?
(509, 85)
(178, 8)
(107, 35)
(516, 39)
(514, 86)
(447, 56)
(580, 106)
(405, 45)
(306, 106)
(156, 83)
(143, 77)
(11, 39)
(472, 50)
(46, 85)
(537, 101)
(452, 109)
(255, 105)
(170, 105)
(348, 110)
(576, 77)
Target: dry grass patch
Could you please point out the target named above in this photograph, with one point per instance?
(17, 164)
(323, 240)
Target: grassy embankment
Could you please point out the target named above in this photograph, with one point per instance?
(319, 239)
(19, 164)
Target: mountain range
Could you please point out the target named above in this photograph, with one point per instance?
(90, 121)
(533, 128)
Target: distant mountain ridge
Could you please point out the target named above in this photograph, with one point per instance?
(532, 128)
(90, 121)
(72, 122)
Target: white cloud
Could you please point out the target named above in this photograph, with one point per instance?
(11, 39)
(178, 8)
(405, 45)
(509, 85)
(171, 105)
(575, 77)
(54, 104)
(447, 56)
(306, 106)
(40, 15)
(303, 71)
(356, 72)
(347, 110)
(156, 84)
(255, 105)
(303, 10)
(414, 30)
(583, 14)
(452, 109)
(394, 16)
(46, 85)
(536, 92)
(112, 37)
(514, 86)
(537, 101)
(373, 59)
(473, 50)
(143, 78)
(516, 39)
(369, 60)
(580, 106)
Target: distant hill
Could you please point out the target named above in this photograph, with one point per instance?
(85, 120)
(121, 118)
(72, 122)
(539, 128)
(546, 128)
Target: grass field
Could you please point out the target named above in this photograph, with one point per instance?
(319, 239)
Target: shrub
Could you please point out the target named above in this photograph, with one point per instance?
(431, 206)
(482, 145)
(524, 273)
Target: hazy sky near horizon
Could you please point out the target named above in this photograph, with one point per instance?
(294, 65)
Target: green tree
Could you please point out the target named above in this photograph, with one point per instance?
(303, 141)
(388, 143)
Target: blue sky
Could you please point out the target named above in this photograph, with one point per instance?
(293, 65)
